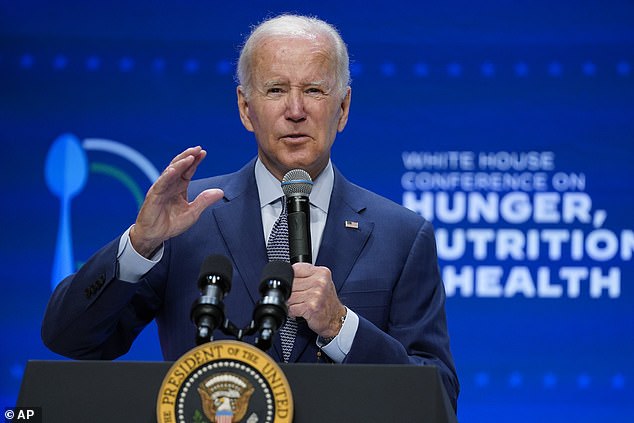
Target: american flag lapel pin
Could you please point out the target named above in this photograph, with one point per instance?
(351, 224)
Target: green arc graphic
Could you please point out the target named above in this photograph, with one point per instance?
(122, 177)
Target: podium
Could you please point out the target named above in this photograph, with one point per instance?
(107, 391)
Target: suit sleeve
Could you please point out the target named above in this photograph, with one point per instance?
(94, 315)
(417, 328)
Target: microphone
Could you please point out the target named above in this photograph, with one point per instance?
(214, 282)
(297, 186)
(271, 311)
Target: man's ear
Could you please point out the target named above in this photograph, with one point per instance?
(243, 108)
(345, 109)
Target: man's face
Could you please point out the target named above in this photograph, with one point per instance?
(294, 107)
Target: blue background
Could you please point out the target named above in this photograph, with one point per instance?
(470, 76)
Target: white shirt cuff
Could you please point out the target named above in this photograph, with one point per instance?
(340, 346)
(132, 265)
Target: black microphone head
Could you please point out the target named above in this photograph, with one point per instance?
(219, 266)
(281, 271)
(297, 182)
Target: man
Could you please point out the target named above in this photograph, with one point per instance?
(374, 294)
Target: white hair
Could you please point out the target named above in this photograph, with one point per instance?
(294, 26)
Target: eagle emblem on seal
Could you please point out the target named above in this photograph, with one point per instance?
(225, 397)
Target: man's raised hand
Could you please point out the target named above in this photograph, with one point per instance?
(166, 211)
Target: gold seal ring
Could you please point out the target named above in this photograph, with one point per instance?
(228, 381)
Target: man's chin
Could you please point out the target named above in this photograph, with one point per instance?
(288, 162)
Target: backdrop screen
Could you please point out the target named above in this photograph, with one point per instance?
(510, 127)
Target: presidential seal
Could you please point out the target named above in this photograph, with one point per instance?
(224, 382)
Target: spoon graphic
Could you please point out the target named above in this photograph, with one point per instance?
(66, 171)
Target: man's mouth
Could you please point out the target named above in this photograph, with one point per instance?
(295, 136)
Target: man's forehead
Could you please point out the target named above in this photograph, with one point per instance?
(321, 74)
(294, 41)
(286, 49)
(286, 81)
(294, 61)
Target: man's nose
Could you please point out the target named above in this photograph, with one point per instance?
(295, 105)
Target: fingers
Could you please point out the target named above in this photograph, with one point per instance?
(186, 163)
(206, 199)
(314, 296)
(180, 171)
(304, 270)
(189, 171)
(308, 276)
(191, 151)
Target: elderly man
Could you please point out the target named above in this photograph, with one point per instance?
(374, 294)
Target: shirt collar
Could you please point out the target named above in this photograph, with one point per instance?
(270, 190)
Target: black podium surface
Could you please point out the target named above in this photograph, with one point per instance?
(103, 391)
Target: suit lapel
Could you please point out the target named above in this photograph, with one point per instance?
(240, 223)
(346, 232)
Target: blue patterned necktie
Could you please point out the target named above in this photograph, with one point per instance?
(277, 249)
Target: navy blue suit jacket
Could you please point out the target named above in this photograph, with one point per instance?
(385, 270)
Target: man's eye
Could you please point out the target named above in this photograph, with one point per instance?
(314, 91)
(275, 90)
